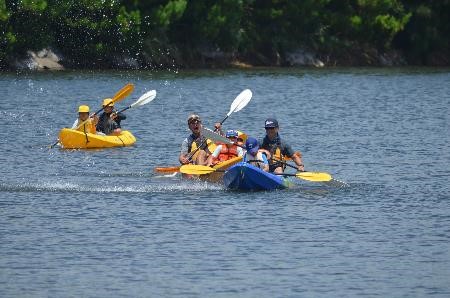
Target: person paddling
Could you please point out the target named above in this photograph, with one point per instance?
(255, 157)
(195, 148)
(227, 151)
(109, 122)
(278, 149)
(87, 124)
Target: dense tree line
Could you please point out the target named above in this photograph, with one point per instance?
(157, 33)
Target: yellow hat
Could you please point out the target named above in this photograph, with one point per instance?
(242, 135)
(83, 109)
(108, 102)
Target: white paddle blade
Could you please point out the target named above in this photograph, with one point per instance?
(240, 101)
(145, 98)
(209, 134)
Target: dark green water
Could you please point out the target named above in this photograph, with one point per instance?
(100, 223)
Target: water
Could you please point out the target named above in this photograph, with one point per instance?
(101, 223)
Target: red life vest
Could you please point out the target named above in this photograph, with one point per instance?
(227, 153)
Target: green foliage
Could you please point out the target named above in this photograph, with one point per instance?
(91, 32)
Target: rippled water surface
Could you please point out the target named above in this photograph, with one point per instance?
(101, 223)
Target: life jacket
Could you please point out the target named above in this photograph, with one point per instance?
(226, 153)
(274, 150)
(87, 127)
(256, 161)
(205, 143)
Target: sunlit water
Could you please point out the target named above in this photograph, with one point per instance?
(101, 223)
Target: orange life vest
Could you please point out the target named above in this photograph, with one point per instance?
(225, 153)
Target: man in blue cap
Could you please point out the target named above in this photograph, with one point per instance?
(279, 150)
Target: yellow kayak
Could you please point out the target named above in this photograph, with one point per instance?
(74, 139)
(221, 167)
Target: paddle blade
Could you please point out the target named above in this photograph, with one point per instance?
(196, 169)
(209, 134)
(144, 99)
(314, 176)
(240, 101)
(167, 169)
(122, 93)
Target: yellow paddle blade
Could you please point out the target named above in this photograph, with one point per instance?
(122, 93)
(314, 176)
(196, 169)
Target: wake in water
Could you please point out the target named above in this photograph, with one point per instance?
(151, 187)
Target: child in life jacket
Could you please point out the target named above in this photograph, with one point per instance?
(85, 123)
(225, 152)
(255, 157)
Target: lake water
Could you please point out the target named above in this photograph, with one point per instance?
(101, 223)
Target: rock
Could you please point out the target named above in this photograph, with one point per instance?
(303, 58)
(45, 59)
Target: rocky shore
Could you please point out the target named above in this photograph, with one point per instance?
(50, 59)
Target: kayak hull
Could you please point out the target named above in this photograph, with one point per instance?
(216, 177)
(220, 167)
(74, 139)
(244, 176)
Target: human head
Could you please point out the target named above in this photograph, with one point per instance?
(231, 134)
(242, 137)
(83, 109)
(271, 126)
(83, 112)
(271, 123)
(193, 118)
(194, 123)
(108, 102)
(252, 145)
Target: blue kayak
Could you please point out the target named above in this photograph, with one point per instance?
(244, 176)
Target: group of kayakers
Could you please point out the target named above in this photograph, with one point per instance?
(270, 154)
(107, 124)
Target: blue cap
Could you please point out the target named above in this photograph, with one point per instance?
(271, 122)
(231, 133)
(252, 145)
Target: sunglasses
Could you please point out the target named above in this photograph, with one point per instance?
(269, 128)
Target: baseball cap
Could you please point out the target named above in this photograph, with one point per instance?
(252, 145)
(193, 118)
(271, 122)
(231, 133)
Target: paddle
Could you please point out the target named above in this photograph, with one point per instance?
(120, 95)
(309, 176)
(238, 104)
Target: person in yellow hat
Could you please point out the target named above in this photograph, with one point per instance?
(109, 121)
(85, 123)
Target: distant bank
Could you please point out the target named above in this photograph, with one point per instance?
(54, 60)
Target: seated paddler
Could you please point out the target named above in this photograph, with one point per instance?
(227, 151)
(278, 151)
(195, 148)
(254, 156)
(109, 122)
(85, 123)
